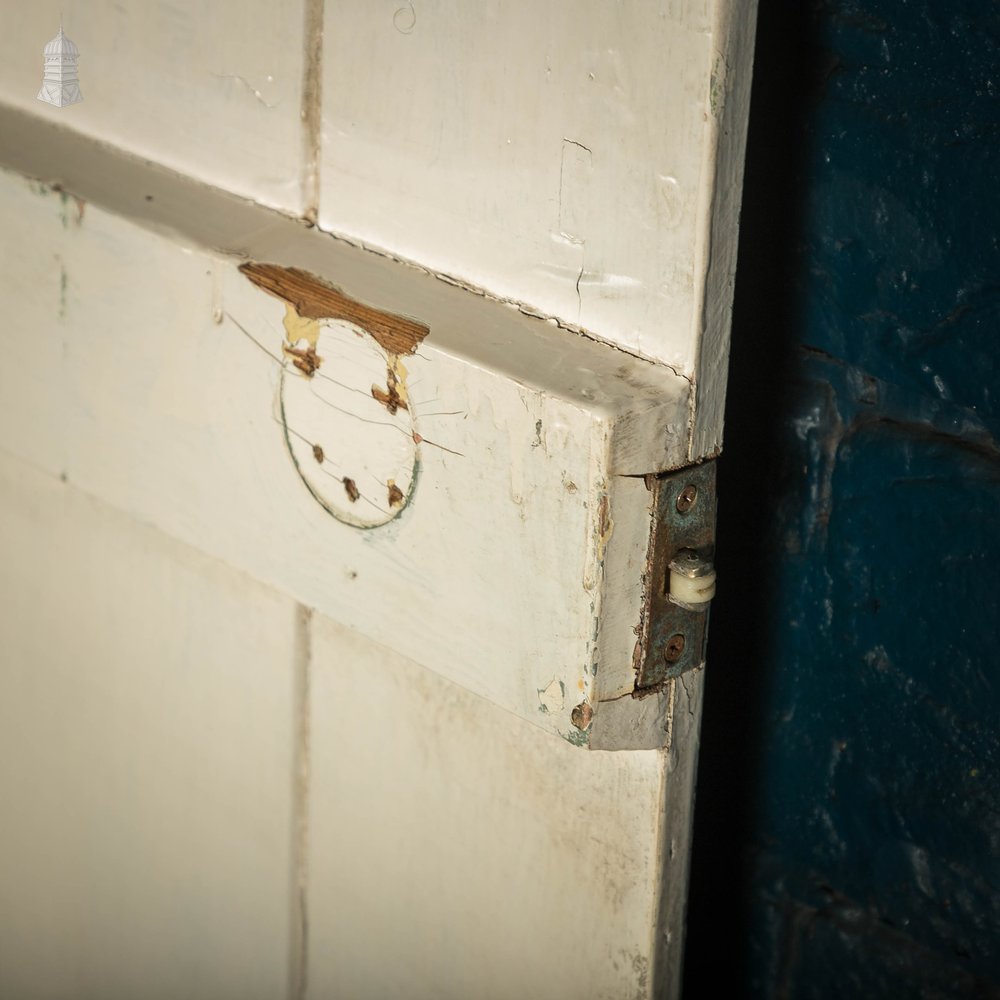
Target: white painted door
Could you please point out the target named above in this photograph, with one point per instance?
(344, 345)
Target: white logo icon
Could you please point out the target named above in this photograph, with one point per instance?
(60, 86)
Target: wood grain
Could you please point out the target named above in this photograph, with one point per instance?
(313, 298)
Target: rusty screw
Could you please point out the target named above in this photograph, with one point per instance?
(675, 646)
(687, 497)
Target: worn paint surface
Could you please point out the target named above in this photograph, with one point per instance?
(146, 718)
(207, 459)
(401, 751)
(231, 117)
(485, 857)
(550, 186)
(354, 442)
(511, 584)
(358, 456)
(313, 298)
(853, 742)
(647, 408)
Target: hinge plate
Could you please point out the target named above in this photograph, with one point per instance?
(673, 636)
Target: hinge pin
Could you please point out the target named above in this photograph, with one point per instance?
(692, 580)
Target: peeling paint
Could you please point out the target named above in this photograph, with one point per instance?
(299, 328)
(604, 529)
(552, 698)
(307, 361)
(314, 299)
(524, 308)
(393, 397)
(717, 86)
(605, 526)
(343, 441)
(330, 430)
(582, 715)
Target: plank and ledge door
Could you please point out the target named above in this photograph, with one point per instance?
(340, 348)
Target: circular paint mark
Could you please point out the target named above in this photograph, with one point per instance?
(405, 19)
(348, 423)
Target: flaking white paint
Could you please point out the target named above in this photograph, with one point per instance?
(358, 457)
(181, 427)
(585, 166)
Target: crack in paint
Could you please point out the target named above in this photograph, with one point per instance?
(522, 307)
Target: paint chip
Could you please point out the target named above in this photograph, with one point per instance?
(307, 361)
(390, 397)
(582, 715)
(313, 298)
(351, 488)
(551, 698)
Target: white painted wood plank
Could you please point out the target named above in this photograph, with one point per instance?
(493, 573)
(735, 33)
(214, 90)
(457, 852)
(554, 156)
(146, 754)
(646, 407)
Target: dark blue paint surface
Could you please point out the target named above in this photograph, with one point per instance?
(847, 832)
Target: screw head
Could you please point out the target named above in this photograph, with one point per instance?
(674, 648)
(686, 498)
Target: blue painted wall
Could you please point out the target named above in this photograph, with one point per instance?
(847, 833)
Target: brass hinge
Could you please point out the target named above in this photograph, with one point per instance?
(680, 575)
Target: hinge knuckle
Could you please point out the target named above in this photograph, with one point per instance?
(680, 575)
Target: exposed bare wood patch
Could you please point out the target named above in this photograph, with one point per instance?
(307, 361)
(391, 397)
(395, 495)
(318, 454)
(582, 715)
(315, 299)
(351, 489)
